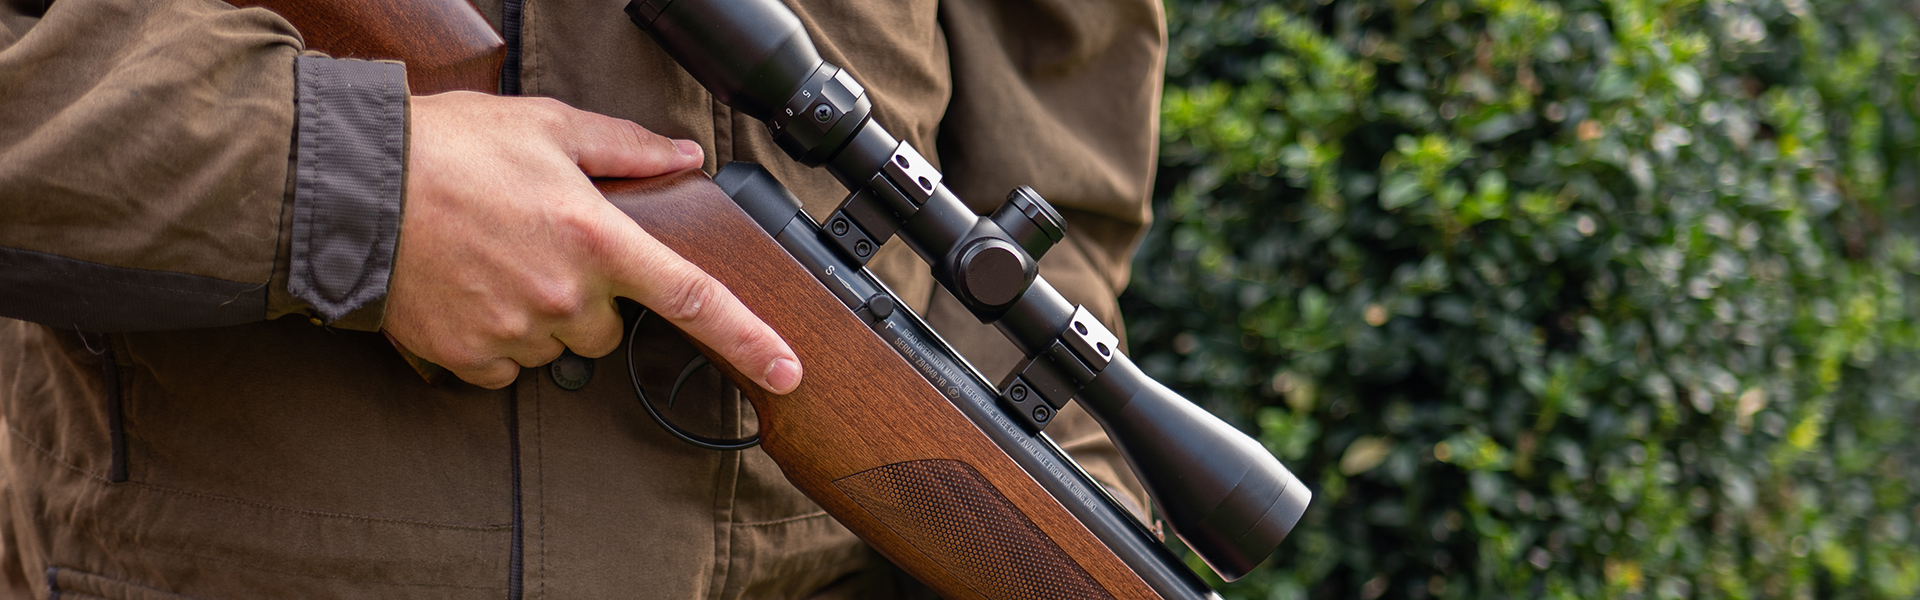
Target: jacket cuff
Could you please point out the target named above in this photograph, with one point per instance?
(349, 180)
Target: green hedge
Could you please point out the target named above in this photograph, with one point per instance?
(1553, 299)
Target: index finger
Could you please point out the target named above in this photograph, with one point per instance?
(655, 276)
(604, 146)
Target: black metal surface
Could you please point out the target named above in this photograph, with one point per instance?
(694, 439)
(1031, 221)
(750, 55)
(1225, 494)
(748, 180)
(962, 385)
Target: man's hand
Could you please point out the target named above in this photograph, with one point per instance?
(508, 253)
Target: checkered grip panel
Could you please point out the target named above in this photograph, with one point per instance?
(951, 514)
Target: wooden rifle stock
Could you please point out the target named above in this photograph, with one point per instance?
(865, 435)
(446, 44)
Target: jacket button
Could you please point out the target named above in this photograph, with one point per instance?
(571, 371)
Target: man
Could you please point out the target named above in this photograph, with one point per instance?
(240, 220)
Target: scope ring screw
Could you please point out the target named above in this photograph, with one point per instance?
(900, 160)
(862, 248)
(1018, 393)
(823, 113)
(839, 226)
(1042, 414)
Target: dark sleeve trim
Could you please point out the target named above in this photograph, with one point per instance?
(350, 154)
(69, 293)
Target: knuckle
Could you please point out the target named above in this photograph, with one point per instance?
(549, 115)
(487, 372)
(689, 297)
(539, 354)
(558, 298)
(494, 378)
(507, 328)
(600, 344)
(591, 234)
(638, 137)
(595, 332)
(746, 345)
(465, 362)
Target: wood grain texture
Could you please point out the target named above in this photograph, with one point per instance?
(446, 44)
(860, 405)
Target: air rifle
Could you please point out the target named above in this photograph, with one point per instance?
(892, 432)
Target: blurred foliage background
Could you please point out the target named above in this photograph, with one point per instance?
(1565, 299)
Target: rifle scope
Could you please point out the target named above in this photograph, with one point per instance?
(1225, 495)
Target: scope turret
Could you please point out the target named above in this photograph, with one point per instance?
(1223, 492)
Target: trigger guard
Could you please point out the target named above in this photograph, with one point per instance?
(693, 366)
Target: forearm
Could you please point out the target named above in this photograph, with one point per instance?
(145, 154)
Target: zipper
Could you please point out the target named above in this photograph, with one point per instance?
(101, 346)
(510, 23)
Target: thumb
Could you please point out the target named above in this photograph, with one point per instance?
(604, 146)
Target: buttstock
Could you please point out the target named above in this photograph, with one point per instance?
(446, 44)
(867, 437)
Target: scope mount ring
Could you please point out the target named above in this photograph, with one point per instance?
(697, 440)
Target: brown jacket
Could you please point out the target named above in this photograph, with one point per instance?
(169, 434)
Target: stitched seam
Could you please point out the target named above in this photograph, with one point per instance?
(516, 553)
(318, 513)
(52, 571)
(303, 221)
(50, 454)
(811, 515)
(149, 487)
(135, 546)
(723, 539)
(142, 547)
(308, 231)
(301, 275)
(540, 478)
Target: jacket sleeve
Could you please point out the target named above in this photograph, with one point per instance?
(1062, 95)
(169, 164)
